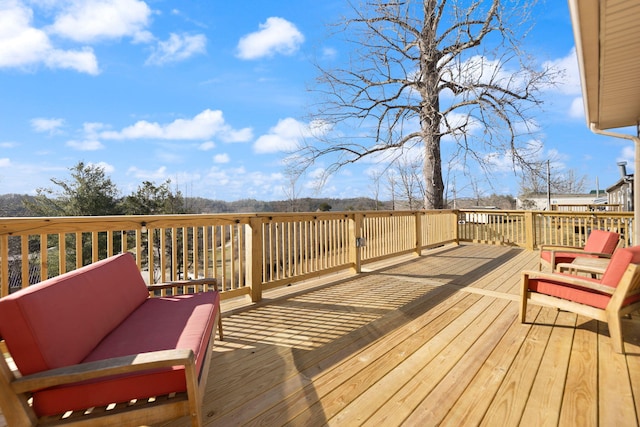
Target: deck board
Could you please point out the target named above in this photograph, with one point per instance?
(579, 405)
(431, 340)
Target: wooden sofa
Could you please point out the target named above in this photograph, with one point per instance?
(95, 347)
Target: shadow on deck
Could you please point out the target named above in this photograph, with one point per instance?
(433, 340)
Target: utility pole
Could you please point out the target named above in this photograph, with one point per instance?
(548, 186)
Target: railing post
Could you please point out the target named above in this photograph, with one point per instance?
(455, 226)
(418, 220)
(355, 252)
(530, 230)
(254, 265)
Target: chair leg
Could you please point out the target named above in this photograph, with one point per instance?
(524, 294)
(220, 327)
(523, 309)
(615, 332)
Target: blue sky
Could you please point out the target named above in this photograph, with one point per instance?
(211, 94)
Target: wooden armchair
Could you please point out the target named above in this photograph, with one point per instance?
(600, 244)
(607, 299)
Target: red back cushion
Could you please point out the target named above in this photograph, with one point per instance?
(59, 321)
(618, 265)
(602, 241)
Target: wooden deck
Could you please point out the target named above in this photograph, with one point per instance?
(433, 340)
(426, 341)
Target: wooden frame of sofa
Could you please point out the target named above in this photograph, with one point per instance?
(15, 390)
(629, 285)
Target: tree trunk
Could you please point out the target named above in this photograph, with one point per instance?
(433, 173)
(430, 109)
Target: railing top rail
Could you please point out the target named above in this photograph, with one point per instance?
(37, 225)
(584, 213)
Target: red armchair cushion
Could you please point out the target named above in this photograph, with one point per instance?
(59, 321)
(611, 277)
(572, 293)
(599, 241)
(619, 263)
(602, 241)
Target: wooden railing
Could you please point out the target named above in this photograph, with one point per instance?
(249, 253)
(530, 229)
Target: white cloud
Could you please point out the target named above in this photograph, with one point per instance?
(23, 46)
(106, 167)
(205, 125)
(480, 69)
(83, 60)
(5, 162)
(93, 20)
(46, 125)
(476, 69)
(241, 135)
(287, 135)
(166, 156)
(276, 35)
(87, 145)
(159, 174)
(20, 43)
(329, 53)
(317, 179)
(577, 108)
(239, 183)
(221, 158)
(177, 48)
(206, 146)
(570, 83)
(628, 155)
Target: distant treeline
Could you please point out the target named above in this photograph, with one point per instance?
(13, 205)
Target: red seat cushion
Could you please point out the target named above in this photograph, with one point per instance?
(571, 293)
(180, 322)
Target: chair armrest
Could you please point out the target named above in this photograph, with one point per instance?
(569, 266)
(559, 248)
(104, 368)
(579, 251)
(195, 282)
(569, 280)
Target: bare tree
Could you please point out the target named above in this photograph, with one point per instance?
(538, 180)
(569, 182)
(376, 175)
(424, 70)
(411, 183)
(392, 182)
(290, 188)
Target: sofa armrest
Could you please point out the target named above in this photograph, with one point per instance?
(205, 283)
(105, 368)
